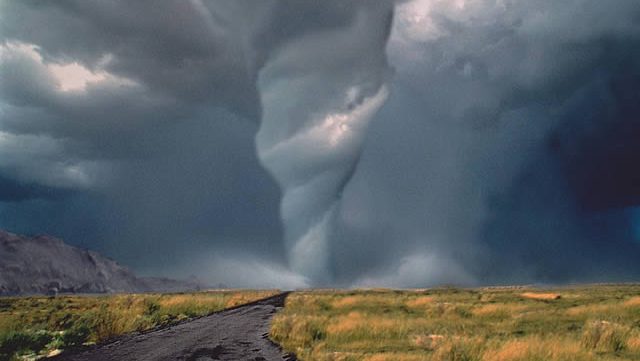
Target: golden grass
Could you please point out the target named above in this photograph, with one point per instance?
(459, 349)
(349, 301)
(541, 296)
(633, 302)
(419, 302)
(448, 324)
(605, 336)
(536, 348)
(348, 323)
(357, 323)
(428, 342)
(104, 317)
(590, 309)
(392, 357)
(633, 344)
(510, 351)
(496, 310)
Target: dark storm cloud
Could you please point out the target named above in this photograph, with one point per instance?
(158, 134)
(504, 145)
(601, 164)
(506, 152)
(170, 47)
(12, 190)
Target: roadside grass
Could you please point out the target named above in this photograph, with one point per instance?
(31, 327)
(585, 323)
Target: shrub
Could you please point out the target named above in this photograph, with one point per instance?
(20, 341)
(311, 331)
(151, 307)
(104, 323)
(604, 336)
(463, 312)
(76, 335)
(459, 349)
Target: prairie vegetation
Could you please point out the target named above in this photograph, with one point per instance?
(448, 324)
(32, 326)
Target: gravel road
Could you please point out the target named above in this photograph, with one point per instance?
(236, 334)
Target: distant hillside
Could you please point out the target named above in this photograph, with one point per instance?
(46, 265)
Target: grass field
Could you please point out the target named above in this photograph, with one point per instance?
(508, 324)
(31, 326)
(446, 324)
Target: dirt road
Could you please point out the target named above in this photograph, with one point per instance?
(237, 334)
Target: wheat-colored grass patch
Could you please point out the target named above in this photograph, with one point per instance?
(419, 302)
(633, 302)
(541, 296)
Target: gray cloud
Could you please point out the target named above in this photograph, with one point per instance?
(319, 91)
(502, 118)
(505, 152)
(158, 137)
(169, 47)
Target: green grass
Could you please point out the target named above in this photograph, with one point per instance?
(35, 326)
(500, 324)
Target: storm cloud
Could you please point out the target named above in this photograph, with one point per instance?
(505, 149)
(337, 142)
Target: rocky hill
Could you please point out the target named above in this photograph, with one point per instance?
(47, 265)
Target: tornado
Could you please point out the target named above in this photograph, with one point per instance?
(319, 90)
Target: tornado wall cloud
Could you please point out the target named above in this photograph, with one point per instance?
(314, 122)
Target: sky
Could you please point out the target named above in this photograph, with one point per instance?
(347, 143)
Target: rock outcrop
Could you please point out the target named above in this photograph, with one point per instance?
(47, 265)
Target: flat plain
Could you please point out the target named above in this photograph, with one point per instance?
(34, 327)
(582, 323)
(577, 323)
